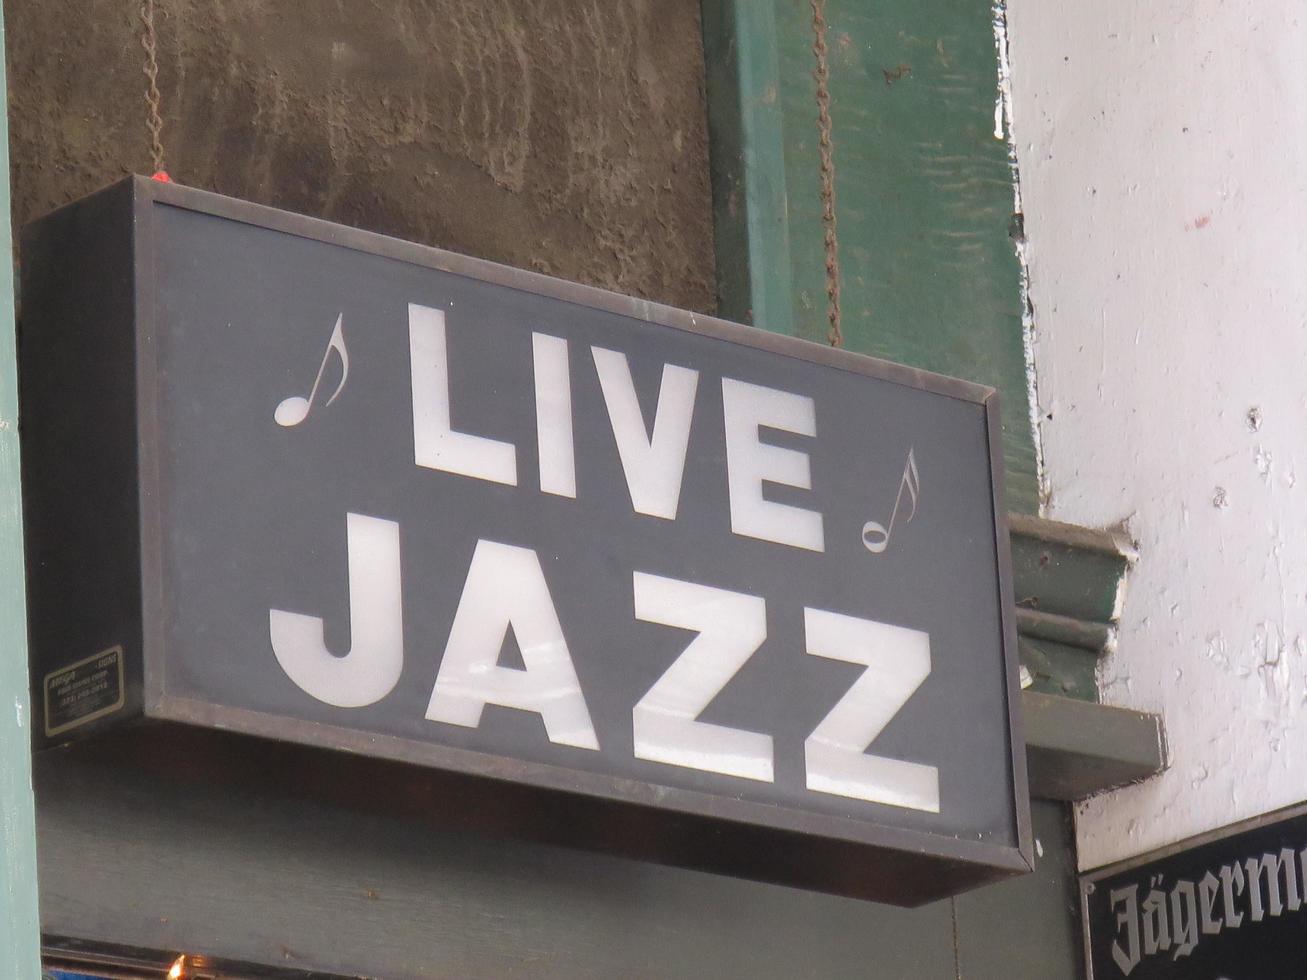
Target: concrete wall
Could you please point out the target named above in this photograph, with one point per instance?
(565, 136)
(1163, 155)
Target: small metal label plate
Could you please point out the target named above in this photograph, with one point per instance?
(82, 692)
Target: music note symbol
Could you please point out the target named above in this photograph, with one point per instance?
(876, 536)
(294, 410)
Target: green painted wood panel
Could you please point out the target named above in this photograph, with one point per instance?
(19, 929)
(253, 867)
(249, 860)
(1070, 571)
(1059, 668)
(930, 278)
(802, 169)
(1027, 927)
(929, 274)
(750, 216)
(924, 192)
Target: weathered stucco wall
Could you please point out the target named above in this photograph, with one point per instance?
(565, 136)
(1163, 154)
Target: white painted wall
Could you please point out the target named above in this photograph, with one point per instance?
(1163, 156)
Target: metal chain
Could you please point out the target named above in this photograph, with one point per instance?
(835, 336)
(154, 115)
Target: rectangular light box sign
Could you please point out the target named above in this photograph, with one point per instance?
(746, 593)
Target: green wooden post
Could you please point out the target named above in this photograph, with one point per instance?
(929, 277)
(19, 919)
(923, 188)
(751, 215)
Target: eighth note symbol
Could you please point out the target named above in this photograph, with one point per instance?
(876, 536)
(295, 409)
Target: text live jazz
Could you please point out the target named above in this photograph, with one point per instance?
(506, 587)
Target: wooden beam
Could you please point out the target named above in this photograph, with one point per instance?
(1075, 749)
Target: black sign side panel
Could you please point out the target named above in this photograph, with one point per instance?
(77, 403)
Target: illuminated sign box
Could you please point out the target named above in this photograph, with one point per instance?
(745, 592)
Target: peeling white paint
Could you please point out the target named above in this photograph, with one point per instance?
(1003, 129)
(1003, 95)
(1163, 154)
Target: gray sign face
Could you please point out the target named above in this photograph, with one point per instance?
(630, 552)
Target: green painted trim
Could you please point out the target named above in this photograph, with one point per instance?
(1068, 571)
(19, 919)
(1112, 544)
(747, 155)
(924, 195)
(1069, 583)
(1085, 634)
(1058, 668)
(1075, 749)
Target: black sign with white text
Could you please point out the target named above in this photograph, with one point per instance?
(1227, 907)
(421, 506)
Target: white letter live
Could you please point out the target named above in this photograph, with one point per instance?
(507, 587)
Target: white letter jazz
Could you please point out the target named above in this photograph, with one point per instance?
(731, 626)
(435, 444)
(371, 668)
(506, 587)
(897, 661)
